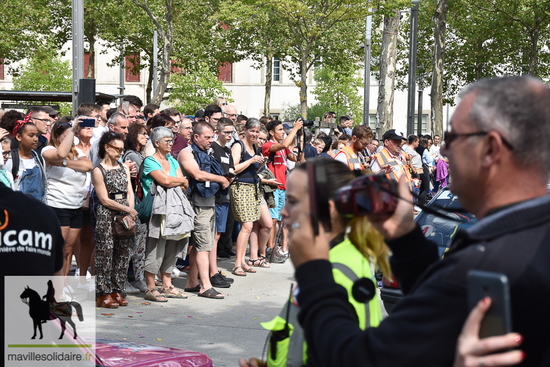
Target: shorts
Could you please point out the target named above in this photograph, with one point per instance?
(279, 196)
(160, 254)
(69, 217)
(203, 235)
(87, 217)
(222, 210)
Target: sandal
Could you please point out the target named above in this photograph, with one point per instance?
(195, 289)
(261, 263)
(106, 301)
(169, 294)
(119, 299)
(149, 295)
(211, 293)
(238, 270)
(249, 269)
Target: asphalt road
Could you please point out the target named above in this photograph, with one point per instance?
(225, 330)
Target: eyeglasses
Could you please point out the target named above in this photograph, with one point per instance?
(449, 137)
(46, 121)
(169, 142)
(119, 150)
(224, 104)
(6, 154)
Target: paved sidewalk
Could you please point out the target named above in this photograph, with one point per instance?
(225, 330)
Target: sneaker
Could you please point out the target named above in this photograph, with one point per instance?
(268, 252)
(228, 280)
(279, 258)
(129, 289)
(176, 273)
(88, 287)
(77, 273)
(217, 281)
(417, 209)
(140, 284)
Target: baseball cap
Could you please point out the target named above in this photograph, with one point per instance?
(391, 134)
(51, 111)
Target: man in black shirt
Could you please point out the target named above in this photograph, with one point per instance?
(31, 242)
(222, 153)
(500, 160)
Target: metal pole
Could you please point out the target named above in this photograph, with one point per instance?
(412, 67)
(419, 123)
(122, 76)
(155, 61)
(78, 47)
(366, 117)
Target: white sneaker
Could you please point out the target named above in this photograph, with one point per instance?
(77, 273)
(417, 209)
(140, 284)
(129, 289)
(176, 273)
(88, 287)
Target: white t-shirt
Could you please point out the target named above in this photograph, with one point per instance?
(98, 132)
(434, 151)
(24, 164)
(416, 158)
(65, 185)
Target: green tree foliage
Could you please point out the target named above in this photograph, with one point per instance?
(45, 71)
(338, 89)
(194, 89)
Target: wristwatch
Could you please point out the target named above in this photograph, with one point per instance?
(64, 163)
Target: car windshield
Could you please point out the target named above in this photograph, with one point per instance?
(441, 230)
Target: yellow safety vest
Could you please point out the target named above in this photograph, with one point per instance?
(384, 158)
(287, 346)
(354, 162)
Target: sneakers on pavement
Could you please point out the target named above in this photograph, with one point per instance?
(88, 287)
(228, 280)
(279, 258)
(140, 284)
(217, 281)
(129, 289)
(176, 273)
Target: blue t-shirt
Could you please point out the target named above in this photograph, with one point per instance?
(150, 164)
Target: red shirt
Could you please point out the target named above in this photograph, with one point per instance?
(278, 167)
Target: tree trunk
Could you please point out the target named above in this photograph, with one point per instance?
(303, 84)
(534, 51)
(91, 58)
(268, 81)
(165, 70)
(440, 22)
(388, 63)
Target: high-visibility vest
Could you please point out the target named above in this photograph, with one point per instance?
(399, 169)
(287, 345)
(354, 162)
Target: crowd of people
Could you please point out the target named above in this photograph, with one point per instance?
(149, 188)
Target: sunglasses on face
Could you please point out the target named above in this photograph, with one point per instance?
(449, 137)
(119, 150)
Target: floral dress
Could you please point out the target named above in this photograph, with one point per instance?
(112, 253)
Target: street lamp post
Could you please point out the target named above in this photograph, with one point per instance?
(412, 67)
(366, 96)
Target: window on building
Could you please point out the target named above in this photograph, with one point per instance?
(372, 122)
(374, 77)
(132, 75)
(424, 123)
(86, 65)
(225, 73)
(276, 69)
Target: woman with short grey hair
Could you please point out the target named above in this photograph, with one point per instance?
(160, 253)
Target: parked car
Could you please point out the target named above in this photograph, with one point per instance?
(436, 229)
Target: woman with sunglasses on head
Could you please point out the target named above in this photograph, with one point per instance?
(66, 168)
(354, 243)
(162, 251)
(246, 195)
(26, 165)
(116, 197)
(134, 146)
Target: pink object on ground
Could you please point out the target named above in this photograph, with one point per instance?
(120, 353)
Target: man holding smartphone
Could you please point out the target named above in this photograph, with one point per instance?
(277, 152)
(500, 158)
